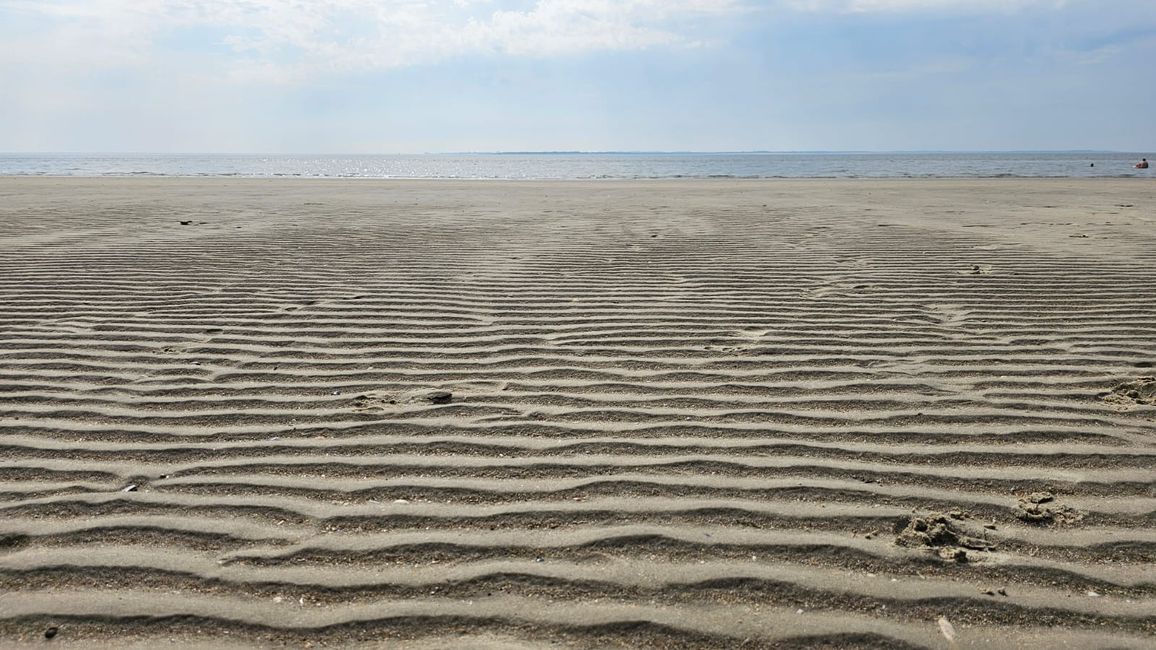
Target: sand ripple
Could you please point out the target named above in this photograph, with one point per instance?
(695, 414)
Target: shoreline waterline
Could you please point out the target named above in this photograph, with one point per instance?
(564, 166)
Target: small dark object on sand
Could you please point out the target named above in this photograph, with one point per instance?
(186, 223)
(440, 397)
(51, 632)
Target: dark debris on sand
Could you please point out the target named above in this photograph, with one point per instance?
(945, 533)
(1140, 391)
(1041, 508)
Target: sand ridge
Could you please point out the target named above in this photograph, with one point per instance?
(241, 413)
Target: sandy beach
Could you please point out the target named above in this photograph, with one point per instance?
(685, 414)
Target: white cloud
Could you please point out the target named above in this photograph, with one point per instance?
(284, 40)
(287, 38)
(879, 6)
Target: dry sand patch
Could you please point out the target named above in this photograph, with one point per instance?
(612, 414)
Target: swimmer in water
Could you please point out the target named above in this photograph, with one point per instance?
(1143, 164)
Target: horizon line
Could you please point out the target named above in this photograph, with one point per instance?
(572, 152)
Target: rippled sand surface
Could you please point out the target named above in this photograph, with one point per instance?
(837, 414)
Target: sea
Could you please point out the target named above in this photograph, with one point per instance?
(580, 165)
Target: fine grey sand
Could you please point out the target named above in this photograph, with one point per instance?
(723, 414)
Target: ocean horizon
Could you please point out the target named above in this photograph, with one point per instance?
(583, 165)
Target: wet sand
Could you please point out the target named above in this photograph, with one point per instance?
(594, 414)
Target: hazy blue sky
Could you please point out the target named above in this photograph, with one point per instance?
(382, 76)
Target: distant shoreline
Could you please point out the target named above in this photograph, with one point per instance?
(584, 166)
(584, 181)
(609, 152)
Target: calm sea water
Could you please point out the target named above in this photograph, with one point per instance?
(586, 165)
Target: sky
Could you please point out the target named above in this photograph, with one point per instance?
(415, 76)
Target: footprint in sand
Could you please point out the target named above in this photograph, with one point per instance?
(819, 292)
(384, 400)
(750, 336)
(949, 315)
(945, 533)
(1041, 508)
(1138, 392)
(840, 288)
